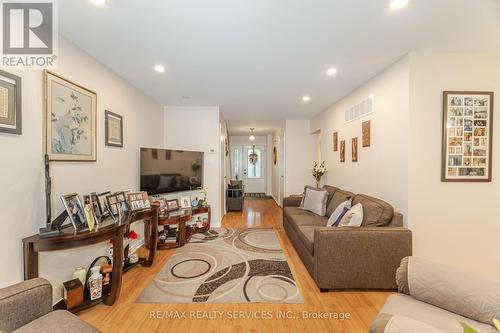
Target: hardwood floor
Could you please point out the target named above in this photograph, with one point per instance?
(127, 316)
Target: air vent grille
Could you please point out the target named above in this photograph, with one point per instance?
(360, 110)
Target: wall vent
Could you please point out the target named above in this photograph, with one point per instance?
(360, 110)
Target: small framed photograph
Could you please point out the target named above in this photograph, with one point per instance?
(159, 201)
(10, 103)
(102, 203)
(113, 129)
(172, 205)
(75, 211)
(117, 204)
(186, 201)
(138, 201)
(91, 199)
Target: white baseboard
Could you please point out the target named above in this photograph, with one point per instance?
(277, 201)
(136, 245)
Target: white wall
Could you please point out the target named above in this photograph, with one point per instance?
(300, 153)
(198, 129)
(22, 195)
(269, 165)
(454, 223)
(381, 170)
(278, 168)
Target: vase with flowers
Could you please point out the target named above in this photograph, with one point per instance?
(318, 170)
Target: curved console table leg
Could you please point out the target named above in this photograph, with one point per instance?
(116, 277)
(153, 227)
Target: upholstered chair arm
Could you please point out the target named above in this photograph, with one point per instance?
(360, 258)
(24, 302)
(292, 201)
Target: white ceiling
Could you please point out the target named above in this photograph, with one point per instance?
(257, 58)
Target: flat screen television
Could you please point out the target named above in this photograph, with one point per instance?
(168, 171)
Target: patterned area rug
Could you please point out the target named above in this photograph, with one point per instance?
(226, 266)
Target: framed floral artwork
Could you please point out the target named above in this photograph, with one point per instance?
(70, 113)
(113, 129)
(467, 136)
(10, 103)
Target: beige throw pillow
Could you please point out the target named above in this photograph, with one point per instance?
(315, 200)
(353, 218)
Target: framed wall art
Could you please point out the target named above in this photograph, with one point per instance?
(113, 129)
(467, 136)
(342, 151)
(366, 135)
(354, 149)
(10, 103)
(335, 141)
(70, 112)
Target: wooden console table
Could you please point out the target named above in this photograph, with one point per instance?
(107, 230)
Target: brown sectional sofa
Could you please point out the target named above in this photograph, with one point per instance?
(346, 257)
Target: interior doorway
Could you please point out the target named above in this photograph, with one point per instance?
(249, 165)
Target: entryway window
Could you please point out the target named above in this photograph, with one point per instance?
(236, 163)
(255, 170)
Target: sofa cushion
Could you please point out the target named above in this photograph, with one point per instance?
(387, 323)
(403, 305)
(339, 213)
(339, 196)
(289, 211)
(306, 236)
(59, 321)
(310, 220)
(353, 218)
(376, 213)
(331, 191)
(315, 200)
(452, 289)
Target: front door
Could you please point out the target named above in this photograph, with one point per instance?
(254, 173)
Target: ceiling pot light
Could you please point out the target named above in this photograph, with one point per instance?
(159, 68)
(398, 4)
(331, 71)
(99, 2)
(252, 134)
(306, 98)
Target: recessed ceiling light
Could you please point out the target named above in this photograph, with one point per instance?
(306, 98)
(397, 4)
(159, 68)
(99, 2)
(331, 71)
